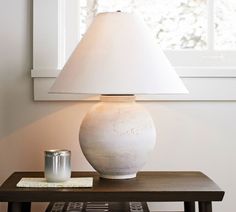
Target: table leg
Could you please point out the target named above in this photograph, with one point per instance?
(189, 206)
(205, 207)
(19, 206)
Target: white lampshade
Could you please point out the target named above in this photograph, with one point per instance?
(118, 55)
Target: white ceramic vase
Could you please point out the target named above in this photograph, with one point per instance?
(117, 136)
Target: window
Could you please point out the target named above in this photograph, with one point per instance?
(203, 29)
(225, 26)
(198, 37)
(178, 24)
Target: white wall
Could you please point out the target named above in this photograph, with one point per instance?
(191, 135)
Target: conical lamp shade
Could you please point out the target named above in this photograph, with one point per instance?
(118, 55)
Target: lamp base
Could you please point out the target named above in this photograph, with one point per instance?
(118, 177)
(117, 136)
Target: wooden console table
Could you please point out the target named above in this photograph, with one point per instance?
(186, 187)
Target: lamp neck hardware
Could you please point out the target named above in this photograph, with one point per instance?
(118, 98)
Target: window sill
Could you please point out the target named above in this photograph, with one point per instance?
(203, 83)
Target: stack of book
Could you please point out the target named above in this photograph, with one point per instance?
(97, 207)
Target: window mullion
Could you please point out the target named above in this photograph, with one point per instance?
(210, 25)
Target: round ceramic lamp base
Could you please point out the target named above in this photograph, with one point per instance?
(117, 136)
(118, 177)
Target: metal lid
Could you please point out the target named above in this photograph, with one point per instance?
(57, 152)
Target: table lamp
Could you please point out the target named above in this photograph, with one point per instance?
(116, 59)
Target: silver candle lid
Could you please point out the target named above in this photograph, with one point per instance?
(57, 152)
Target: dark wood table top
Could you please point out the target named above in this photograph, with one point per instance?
(147, 186)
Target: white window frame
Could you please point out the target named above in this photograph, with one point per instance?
(209, 75)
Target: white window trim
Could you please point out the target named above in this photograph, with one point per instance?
(210, 78)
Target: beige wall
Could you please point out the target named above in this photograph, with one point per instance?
(191, 135)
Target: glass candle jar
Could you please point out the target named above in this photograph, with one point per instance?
(57, 165)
